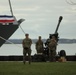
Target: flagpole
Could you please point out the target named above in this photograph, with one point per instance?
(10, 7)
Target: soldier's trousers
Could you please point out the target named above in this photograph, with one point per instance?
(25, 52)
(52, 55)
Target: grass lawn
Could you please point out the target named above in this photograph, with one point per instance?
(38, 68)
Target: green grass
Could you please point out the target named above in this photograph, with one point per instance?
(38, 68)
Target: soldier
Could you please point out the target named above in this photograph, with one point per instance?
(39, 45)
(62, 55)
(46, 51)
(52, 48)
(26, 48)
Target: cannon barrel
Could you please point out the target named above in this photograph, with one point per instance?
(60, 19)
(56, 33)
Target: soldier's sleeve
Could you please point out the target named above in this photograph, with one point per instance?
(30, 41)
(55, 42)
(36, 45)
(23, 43)
(42, 43)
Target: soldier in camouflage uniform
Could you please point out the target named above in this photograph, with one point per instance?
(39, 45)
(27, 48)
(52, 49)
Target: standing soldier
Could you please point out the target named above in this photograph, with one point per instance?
(52, 49)
(39, 45)
(27, 48)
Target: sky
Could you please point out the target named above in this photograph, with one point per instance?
(41, 17)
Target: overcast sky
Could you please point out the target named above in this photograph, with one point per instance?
(41, 17)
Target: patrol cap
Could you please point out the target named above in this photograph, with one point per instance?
(26, 34)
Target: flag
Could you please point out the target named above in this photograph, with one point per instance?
(6, 19)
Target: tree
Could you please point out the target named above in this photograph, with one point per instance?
(71, 2)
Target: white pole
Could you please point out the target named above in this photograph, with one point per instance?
(10, 7)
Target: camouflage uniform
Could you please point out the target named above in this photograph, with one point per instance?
(52, 49)
(27, 49)
(39, 45)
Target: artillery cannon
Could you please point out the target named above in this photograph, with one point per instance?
(46, 50)
(56, 31)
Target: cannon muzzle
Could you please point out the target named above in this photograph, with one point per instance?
(60, 19)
